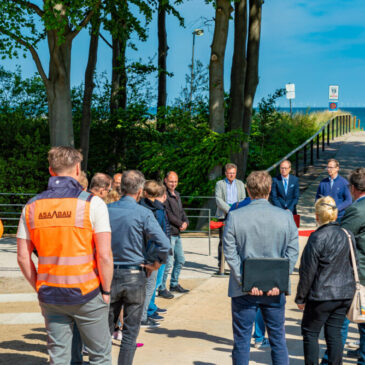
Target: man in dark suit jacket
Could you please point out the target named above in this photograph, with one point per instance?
(354, 221)
(285, 189)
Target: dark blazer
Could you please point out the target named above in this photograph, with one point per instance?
(354, 221)
(278, 196)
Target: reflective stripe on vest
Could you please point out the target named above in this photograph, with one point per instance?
(55, 260)
(61, 231)
(66, 279)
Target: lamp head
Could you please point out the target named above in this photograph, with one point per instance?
(198, 32)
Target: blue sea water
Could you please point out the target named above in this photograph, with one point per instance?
(356, 111)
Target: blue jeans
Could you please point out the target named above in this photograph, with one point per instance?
(259, 332)
(177, 261)
(361, 360)
(152, 308)
(244, 310)
(344, 332)
(150, 290)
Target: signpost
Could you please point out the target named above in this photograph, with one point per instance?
(333, 97)
(333, 106)
(333, 92)
(290, 94)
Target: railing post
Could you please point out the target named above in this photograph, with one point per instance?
(210, 248)
(347, 122)
(323, 130)
(305, 158)
(333, 129)
(317, 146)
(336, 126)
(312, 153)
(340, 125)
(343, 125)
(297, 163)
(348, 125)
(354, 123)
(328, 134)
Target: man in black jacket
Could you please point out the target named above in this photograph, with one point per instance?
(178, 223)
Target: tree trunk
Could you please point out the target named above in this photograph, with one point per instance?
(88, 92)
(118, 97)
(58, 92)
(216, 72)
(162, 55)
(252, 77)
(216, 67)
(238, 73)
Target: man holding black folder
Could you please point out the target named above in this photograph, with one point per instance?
(267, 232)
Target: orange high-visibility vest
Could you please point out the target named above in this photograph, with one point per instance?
(61, 231)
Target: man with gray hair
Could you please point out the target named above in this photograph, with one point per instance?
(132, 226)
(100, 185)
(227, 192)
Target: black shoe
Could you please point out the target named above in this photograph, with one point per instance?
(353, 353)
(156, 317)
(150, 323)
(165, 294)
(161, 310)
(179, 289)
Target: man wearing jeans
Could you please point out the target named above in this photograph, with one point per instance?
(178, 223)
(268, 232)
(132, 227)
(70, 230)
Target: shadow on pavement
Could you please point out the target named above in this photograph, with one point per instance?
(22, 346)
(22, 359)
(223, 349)
(36, 336)
(195, 266)
(191, 334)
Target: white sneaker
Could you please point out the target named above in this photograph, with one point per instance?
(117, 335)
(354, 344)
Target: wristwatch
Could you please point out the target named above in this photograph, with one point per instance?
(104, 292)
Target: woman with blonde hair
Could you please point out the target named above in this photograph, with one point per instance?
(326, 284)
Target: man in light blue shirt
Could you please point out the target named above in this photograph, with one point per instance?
(227, 192)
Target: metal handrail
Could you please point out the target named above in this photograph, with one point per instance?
(209, 218)
(311, 139)
(5, 216)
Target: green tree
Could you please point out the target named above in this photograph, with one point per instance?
(24, 25)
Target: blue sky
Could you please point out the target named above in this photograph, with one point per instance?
(310, 43)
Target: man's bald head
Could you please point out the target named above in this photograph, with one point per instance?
(171, 180)
(117, 181)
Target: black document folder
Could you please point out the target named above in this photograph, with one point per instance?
(265, 274)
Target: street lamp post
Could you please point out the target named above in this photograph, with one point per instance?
(196, 32)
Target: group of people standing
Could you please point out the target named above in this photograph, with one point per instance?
(254, 228)
(100, 264)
